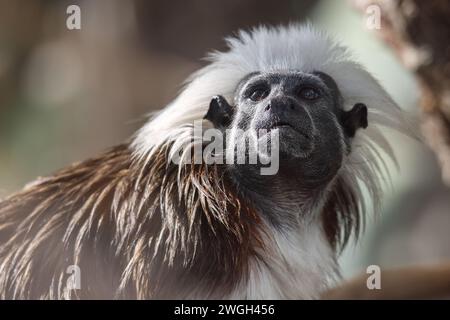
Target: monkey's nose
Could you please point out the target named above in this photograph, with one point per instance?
(281, 106)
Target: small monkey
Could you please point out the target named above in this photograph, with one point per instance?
(140, 226)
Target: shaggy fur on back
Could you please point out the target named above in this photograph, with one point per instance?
(134, 230)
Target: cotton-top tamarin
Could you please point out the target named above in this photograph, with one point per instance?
(138, 225)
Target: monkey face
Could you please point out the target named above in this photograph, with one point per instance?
(283, 102)
(306, 110)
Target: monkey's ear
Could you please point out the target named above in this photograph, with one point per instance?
(220, 112)
(354, 119)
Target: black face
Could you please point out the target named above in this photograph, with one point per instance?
(305, 108)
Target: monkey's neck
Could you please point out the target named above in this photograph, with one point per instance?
(297, 260)
(282, 199)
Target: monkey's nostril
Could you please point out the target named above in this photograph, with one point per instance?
(291, 106)
(267, 108)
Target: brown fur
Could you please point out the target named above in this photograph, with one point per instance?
(133, 232)
(137, 230)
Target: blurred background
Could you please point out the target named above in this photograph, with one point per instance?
(68, 94)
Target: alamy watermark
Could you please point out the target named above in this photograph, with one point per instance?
(232, 146)
(73, 21)
(73, 282)
(373, 17)
(373, 281)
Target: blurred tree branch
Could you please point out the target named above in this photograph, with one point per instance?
(431, 282)
(419, 33)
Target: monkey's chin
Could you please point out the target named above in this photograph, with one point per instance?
(291, 144)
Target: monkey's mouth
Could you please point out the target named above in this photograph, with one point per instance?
(282, 125)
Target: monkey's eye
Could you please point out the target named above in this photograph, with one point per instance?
(258, 94)
(309, 93)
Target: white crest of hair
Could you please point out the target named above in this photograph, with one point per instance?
(264, 49)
